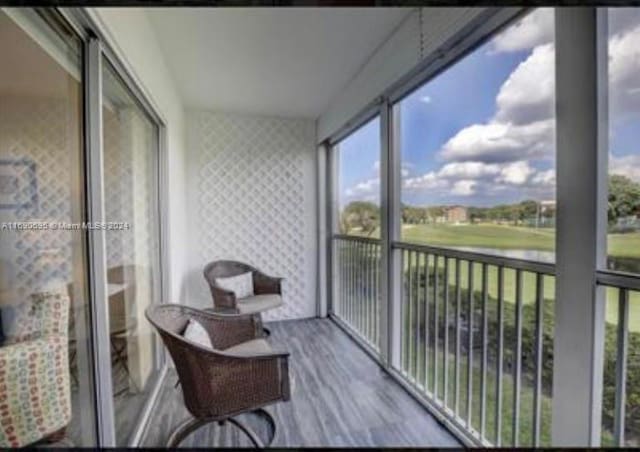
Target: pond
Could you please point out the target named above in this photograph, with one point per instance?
(623, 264)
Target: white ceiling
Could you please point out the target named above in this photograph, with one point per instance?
(287, 62)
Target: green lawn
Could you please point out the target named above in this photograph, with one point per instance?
(480, 235)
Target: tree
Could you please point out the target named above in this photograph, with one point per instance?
(361, 215)
(624, 198)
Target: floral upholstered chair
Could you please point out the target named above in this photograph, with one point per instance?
(35, 400)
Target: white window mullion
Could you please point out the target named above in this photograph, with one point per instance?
(581, 227)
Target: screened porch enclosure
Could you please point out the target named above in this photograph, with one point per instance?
(490, 335)
(449, 249)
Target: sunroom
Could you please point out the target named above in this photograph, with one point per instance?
(438, 210)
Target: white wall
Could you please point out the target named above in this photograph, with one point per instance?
(251, 188)
(131, 34)
(394, 58)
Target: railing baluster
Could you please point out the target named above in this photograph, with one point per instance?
(500, 358)
(367, 290)
(352, 285)
(410, 312)
(358, 283)
(622, 345)
(435, 326)
(483, 381)
(337, 304)
(470, 344)
(517, 357)
(445, 347)
(374, 294)
(354, 312)
(456, 399)
(403, 310)
(416, 318)
(425, 295)
(345, 278)
(537, 395)
(347, 298)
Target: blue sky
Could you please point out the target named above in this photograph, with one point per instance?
(482, 132)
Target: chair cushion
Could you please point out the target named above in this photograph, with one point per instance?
(240, 285)
(250, 348)
(36, 394)
(195, 332)
(259, 303)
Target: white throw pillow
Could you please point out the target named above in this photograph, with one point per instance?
(241, 285)
(195, 332)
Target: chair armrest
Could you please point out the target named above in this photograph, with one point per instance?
(265, 284)
(227, 330)
(224, 300)
(34, 376)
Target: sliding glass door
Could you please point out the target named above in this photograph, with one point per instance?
(130, 147)
(67, 347)
(45, 364)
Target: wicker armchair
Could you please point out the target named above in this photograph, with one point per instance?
(267, 289)
(240, 374)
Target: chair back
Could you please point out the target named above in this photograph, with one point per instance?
(225, 269)
(170, 320)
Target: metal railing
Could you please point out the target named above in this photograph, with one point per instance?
(621, 373)
(475, 340)
(357, 285)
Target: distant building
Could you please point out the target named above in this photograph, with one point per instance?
(457, 214)
(549, 205)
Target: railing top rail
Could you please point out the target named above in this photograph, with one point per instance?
(508, 262)
(618, 279)
(357, 238)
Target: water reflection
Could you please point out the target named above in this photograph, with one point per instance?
(622, 264)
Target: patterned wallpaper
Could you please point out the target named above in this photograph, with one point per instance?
(39, 131)
(252, 198)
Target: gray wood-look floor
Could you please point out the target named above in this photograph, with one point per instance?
(341, 397)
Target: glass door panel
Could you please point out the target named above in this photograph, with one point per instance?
(130, 140)
(45, 365)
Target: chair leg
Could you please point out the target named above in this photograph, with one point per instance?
(184, 429)
(191, 425)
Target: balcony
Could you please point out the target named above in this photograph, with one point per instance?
(452, 215)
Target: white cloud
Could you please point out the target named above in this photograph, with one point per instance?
(467, 178)
(404, 171)
(468, 170)
(464, 187)
(532, 30)
(528, 94)
(428, 181)
(366, 188)
(628, 165)
(516, 173)
(624, 67)
(523, 126)
(425, 99)
(545, 178)
(500, 142)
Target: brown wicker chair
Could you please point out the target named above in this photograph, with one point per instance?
(240, 374)
(267, 289)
